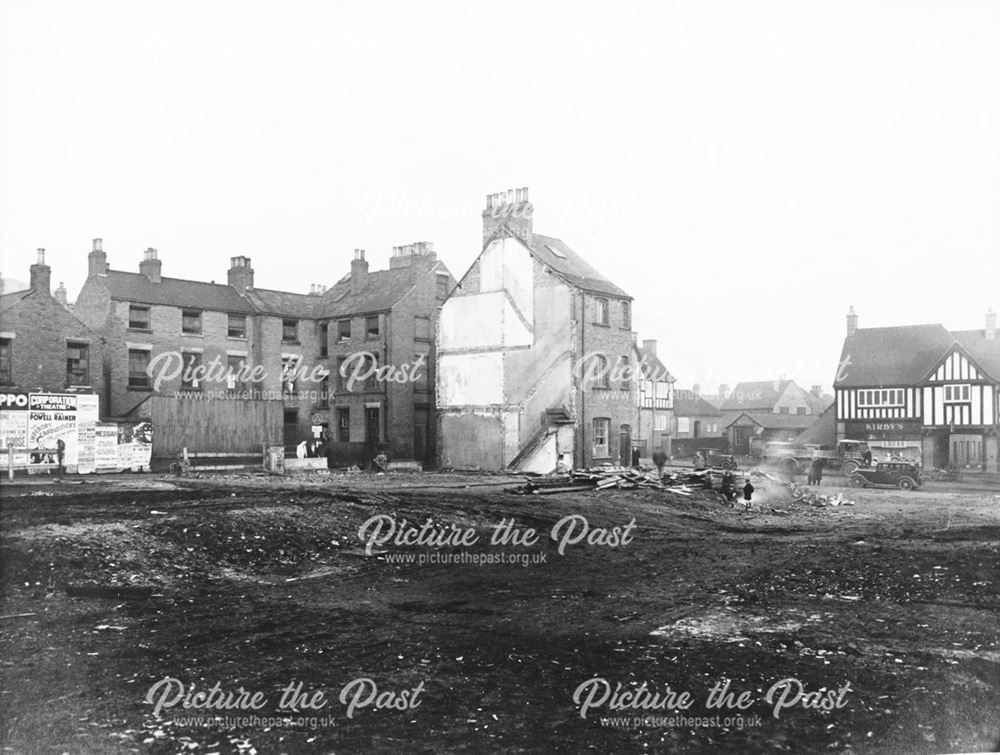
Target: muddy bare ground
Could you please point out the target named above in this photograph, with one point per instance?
(251, 583)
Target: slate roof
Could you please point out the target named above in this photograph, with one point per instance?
(769, 420)
(175, 292)
(651, 366)
(822, 432)
(693, 406)
(904, 355)
(9, 300)
(571, 266)
(383, 289)
(279, 303)
(760, 394)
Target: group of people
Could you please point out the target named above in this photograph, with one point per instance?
(729, 489)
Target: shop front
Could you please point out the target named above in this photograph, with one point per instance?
(899, 439)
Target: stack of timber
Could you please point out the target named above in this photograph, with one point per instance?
(609, 478)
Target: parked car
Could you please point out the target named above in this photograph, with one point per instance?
(713, 457)
(888, 474)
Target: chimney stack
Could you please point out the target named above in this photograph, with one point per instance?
(852, 322)
(97, 260)
(359, 271)
(991, 325)
(60, 294)
(723, 390)
(150, 265)
(510, 210)
(240, 274)
(817, 391)
(649, 344)
(41, 275)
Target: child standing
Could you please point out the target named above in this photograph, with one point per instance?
(747, 494)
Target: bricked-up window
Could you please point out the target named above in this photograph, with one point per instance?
(371, 327)
(343, 330)
(138, 366)
(422, 328)
(190, 377)
(6, 353)
(442, 286)
(138, 317)
(190, 321)
(77, 363)
(603, 312)
(290, 331)
(626, 316)
(602, 427)
(235, 373)
(339, 376)
(343, 424)
(324, 336)
(237, 326)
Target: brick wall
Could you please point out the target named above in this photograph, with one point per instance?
(41, 328)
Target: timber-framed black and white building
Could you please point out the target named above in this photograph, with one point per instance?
(922, 392)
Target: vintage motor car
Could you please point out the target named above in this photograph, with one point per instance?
(888, 474)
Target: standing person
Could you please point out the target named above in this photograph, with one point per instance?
(659, 459)
(747, 494)
(729, 487)
(60, 456)
(635, 456)
(866, 457)
(817, 471)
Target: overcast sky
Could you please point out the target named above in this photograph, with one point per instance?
(746, 170)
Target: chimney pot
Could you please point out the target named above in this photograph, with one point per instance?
(41, 256)
(41, 274)
(97, 245)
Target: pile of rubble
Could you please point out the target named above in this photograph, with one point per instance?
(812, 496)
(617, 478)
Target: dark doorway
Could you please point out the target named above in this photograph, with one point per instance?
(372, 426)
(290, 436)
(420, 435)
(697, 428)
(625, 446)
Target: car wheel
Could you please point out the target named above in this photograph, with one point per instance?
(849, 468)
(857, 481)
(906, 483)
